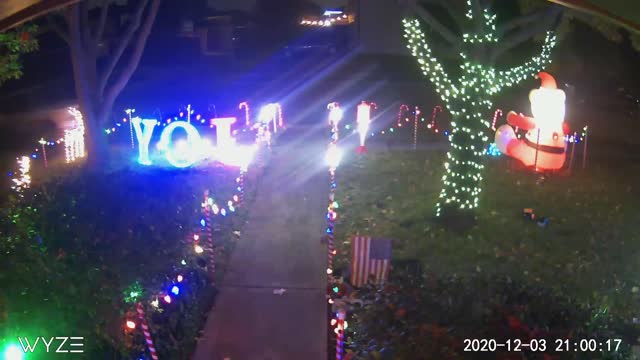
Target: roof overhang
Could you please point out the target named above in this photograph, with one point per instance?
(624, 13)
(16, 12)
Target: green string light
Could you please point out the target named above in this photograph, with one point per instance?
(468, 100)
(133, 293)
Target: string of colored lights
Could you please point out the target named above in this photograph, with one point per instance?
(466, 100)
(333, 158)
(208, 233)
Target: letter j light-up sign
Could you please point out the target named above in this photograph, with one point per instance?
(181, 153)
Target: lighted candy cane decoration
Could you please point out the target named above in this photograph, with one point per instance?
(335, 116)
(272, 113)
(145, 330)
(245, 105)
(432, 125)
(207, 207)
(363, 119)
(496, 114)
(403, 108)
(415, 128)
(280, 118)
(340, 325)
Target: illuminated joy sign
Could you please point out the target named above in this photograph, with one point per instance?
(182, 153)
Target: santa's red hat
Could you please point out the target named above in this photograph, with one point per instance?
(547, 81)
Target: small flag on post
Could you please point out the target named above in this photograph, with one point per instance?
(370, 260)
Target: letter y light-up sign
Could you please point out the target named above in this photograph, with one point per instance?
(181, 154)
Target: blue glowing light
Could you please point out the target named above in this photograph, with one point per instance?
(181, 156)
(175, 290)
(144, 137)
(223, 212)
(492, 150)
(446, 133)
(202, 222)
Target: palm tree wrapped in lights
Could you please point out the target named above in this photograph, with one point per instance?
(468, 98)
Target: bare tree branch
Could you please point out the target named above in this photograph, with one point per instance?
(431, 21)
(128, 71)
(104, 12)
(124, 43)
(478, 17)
(79, 60)
(527, 33)
(57, 29)
(519, 21)
(454, 13)
(85, 27)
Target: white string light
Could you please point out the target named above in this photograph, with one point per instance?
(74, 138)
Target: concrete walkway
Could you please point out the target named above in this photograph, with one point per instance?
(279, 249)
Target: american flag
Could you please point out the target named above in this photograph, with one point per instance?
(370, 260)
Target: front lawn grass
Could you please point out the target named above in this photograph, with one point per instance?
(589, 251)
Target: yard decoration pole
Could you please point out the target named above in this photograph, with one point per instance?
(44, 151)
(129, 112)
(584, 149)
(415, 128)
(146, 332)
(535, 163)
(573, 151)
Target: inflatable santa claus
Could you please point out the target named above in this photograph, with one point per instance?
(543, 147)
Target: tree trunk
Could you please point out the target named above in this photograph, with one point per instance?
(85, 78)
(464, 163)
(98, 156)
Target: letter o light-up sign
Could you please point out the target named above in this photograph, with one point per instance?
(180, 154)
